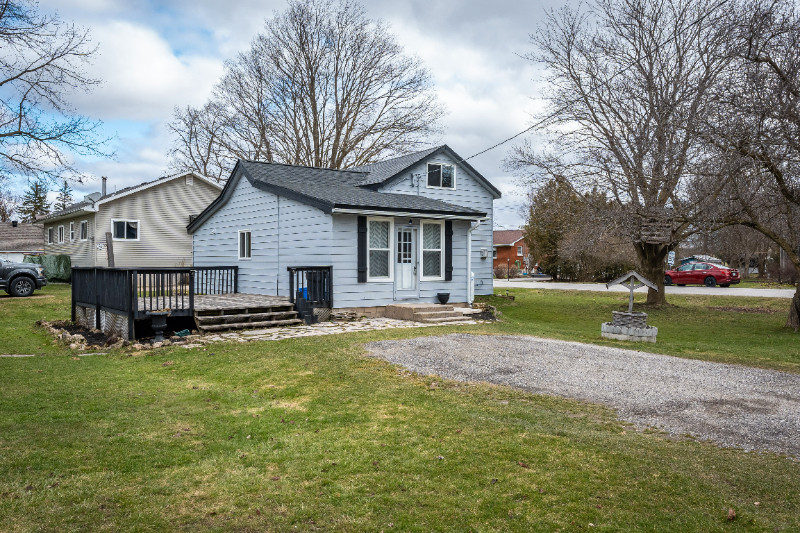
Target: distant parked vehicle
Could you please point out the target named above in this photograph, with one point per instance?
(21, 279)
(706, 274)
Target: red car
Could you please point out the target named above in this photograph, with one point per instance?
(707, 274)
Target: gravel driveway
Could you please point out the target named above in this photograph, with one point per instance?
(731, 405)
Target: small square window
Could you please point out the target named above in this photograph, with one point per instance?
(125, 230)
(494, 253)
(441, 175)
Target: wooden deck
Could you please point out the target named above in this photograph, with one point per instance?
(237, 300)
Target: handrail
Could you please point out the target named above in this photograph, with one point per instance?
(135, 292)
(314, 283)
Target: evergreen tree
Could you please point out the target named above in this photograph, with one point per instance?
(64, 198)
(34, 201)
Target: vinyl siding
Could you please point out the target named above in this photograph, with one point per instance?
(163, 214)
(300, 236)
(468, 193)
(348, 292)
(82, 253)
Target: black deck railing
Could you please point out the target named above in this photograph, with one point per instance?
(314, 284)
(134, 292)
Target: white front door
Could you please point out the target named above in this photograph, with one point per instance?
(406, 263)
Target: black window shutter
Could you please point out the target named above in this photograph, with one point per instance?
(448, 250)
(362, 249)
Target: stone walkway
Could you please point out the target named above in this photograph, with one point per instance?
(322, 328)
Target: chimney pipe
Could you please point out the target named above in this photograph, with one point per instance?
(105, 179)
(14, 223)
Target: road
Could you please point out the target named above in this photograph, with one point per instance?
(715, 291)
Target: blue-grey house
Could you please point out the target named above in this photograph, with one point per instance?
(396, 231)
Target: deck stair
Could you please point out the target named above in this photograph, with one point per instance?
(273, 315)
(427, 313)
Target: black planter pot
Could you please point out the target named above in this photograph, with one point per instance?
(443, 297)
(158, 321)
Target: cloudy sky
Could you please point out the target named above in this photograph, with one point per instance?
(156, 55)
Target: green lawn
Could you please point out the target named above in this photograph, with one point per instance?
(728, 329)
(309, 435)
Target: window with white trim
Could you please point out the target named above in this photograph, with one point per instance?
(441, 175)
(379, 246)
(519, 251)
(494, 253)
(432, 250)
(71, 231)
(61, 235)
(84, 230)
(125, 230)
(245, 244)
(49, 235)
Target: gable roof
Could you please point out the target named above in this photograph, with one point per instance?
(384, 172)
(330, 191)
(508, 237)
(91, 203)
(23, 238)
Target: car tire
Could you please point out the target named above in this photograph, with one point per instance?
(667, 280)
(22, 286)
(710, 281)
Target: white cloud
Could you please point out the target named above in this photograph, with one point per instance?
(143, 79)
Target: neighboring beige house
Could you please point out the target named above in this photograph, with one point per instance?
(147, 223)
(18, 239)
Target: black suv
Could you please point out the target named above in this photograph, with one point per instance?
(21, 279)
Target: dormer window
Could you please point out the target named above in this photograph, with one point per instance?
(441, 176)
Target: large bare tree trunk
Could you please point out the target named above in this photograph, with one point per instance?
(651, 259)
(794, 311)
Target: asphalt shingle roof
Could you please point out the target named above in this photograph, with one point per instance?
(507, 237)
(329, 189)
(383, 170)
(23, 238)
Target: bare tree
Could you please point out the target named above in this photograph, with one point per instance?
(755, 131)
(8, 205)
(41, 62)
(629, 82)
(322, 86)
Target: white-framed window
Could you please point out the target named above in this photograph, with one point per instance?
(84, 230)
(380, 232)
(71, 231)
(50, 235)
(441, 176)
(519, 251)
(432, 250)
(61, 235)
(245, 244)
(125, 230)
(494, 253)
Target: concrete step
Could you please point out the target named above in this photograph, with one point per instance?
(424, 315)
(407, 311)
(249, 325)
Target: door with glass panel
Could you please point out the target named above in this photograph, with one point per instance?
(406, 262)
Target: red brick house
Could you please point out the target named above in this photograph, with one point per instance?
(510, 245)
